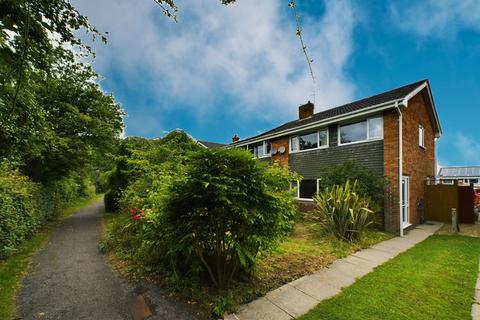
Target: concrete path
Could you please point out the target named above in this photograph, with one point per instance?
(69, 279)
(298, 297)
(476, 304)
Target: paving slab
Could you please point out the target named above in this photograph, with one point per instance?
(400, 244)
(291, 300)
(361, 262)
(376, 255)
(477, 296)
(478, 283)
(349, 269)
(334, 278)
(317, 287)
(262, 309)
(476, 311)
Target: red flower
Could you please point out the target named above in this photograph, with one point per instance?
(133, 211)
(136, 217)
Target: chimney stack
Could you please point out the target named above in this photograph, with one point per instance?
(235, 138)
(305, 111)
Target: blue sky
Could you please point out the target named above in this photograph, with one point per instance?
(239, 69)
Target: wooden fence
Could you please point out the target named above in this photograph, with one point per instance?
(441, 198)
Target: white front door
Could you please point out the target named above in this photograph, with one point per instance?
(405, 201)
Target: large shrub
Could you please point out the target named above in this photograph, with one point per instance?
(343, 211)
(368, 183)
(226, 209)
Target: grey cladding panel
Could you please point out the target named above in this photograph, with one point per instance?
(309, 164)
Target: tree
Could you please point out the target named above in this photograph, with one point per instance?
(54, 118)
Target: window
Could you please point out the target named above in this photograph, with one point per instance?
(375, 128)
(421, 136)
(313, 140)
(263, 149)
(369, 129)
(308, 188)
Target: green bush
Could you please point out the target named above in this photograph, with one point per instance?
(369, 184)
(25, 205)
(343, 211)
(227, 209)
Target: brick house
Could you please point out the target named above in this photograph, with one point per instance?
(367, 131)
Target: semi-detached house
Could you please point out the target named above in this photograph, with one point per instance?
(392, 133)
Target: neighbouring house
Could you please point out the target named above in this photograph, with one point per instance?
(202, 143)
(392, 133)
(462, 175)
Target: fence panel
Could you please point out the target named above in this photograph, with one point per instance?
(439, 201)
(466, 201)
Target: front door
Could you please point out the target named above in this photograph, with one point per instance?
(405, 201)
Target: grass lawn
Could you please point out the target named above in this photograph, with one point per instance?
(433, 280)
(15, 267)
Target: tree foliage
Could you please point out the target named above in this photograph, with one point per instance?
(170, 9)
(54, 117)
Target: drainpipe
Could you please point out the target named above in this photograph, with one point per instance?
(400, 164)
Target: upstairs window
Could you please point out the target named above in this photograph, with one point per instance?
(369, 129)
(421, 136)
(263, 149)
(307, 141)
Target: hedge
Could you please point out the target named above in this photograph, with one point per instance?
(26, 205)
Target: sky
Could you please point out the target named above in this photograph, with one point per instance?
(240, 68)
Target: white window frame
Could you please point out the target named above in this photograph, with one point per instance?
(368, 131)
(305, 133)
(264, 144)
(298, 190)
(421, 136)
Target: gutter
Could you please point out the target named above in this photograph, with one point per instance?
(400, 164)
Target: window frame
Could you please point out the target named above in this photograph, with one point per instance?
(340, 125)
(297, 197)
(264, 148)
(327, 144)
(421, 136)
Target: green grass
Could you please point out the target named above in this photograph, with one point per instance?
(433, 280)
(16, 266)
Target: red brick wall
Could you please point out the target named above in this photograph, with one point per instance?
(306, 206)
(418, 163)
(390, 163)
(281, 158)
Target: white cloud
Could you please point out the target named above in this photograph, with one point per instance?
(468, 149)
(438, 18)
(246, 52)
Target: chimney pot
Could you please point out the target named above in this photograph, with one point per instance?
(306, 110)
(235, 138)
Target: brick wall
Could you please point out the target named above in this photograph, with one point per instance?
(281, 158)
(390, 167)
(418, 163)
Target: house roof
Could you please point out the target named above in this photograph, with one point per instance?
(203, 143)
(211, 145)
(459, 172)
(383, 98)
